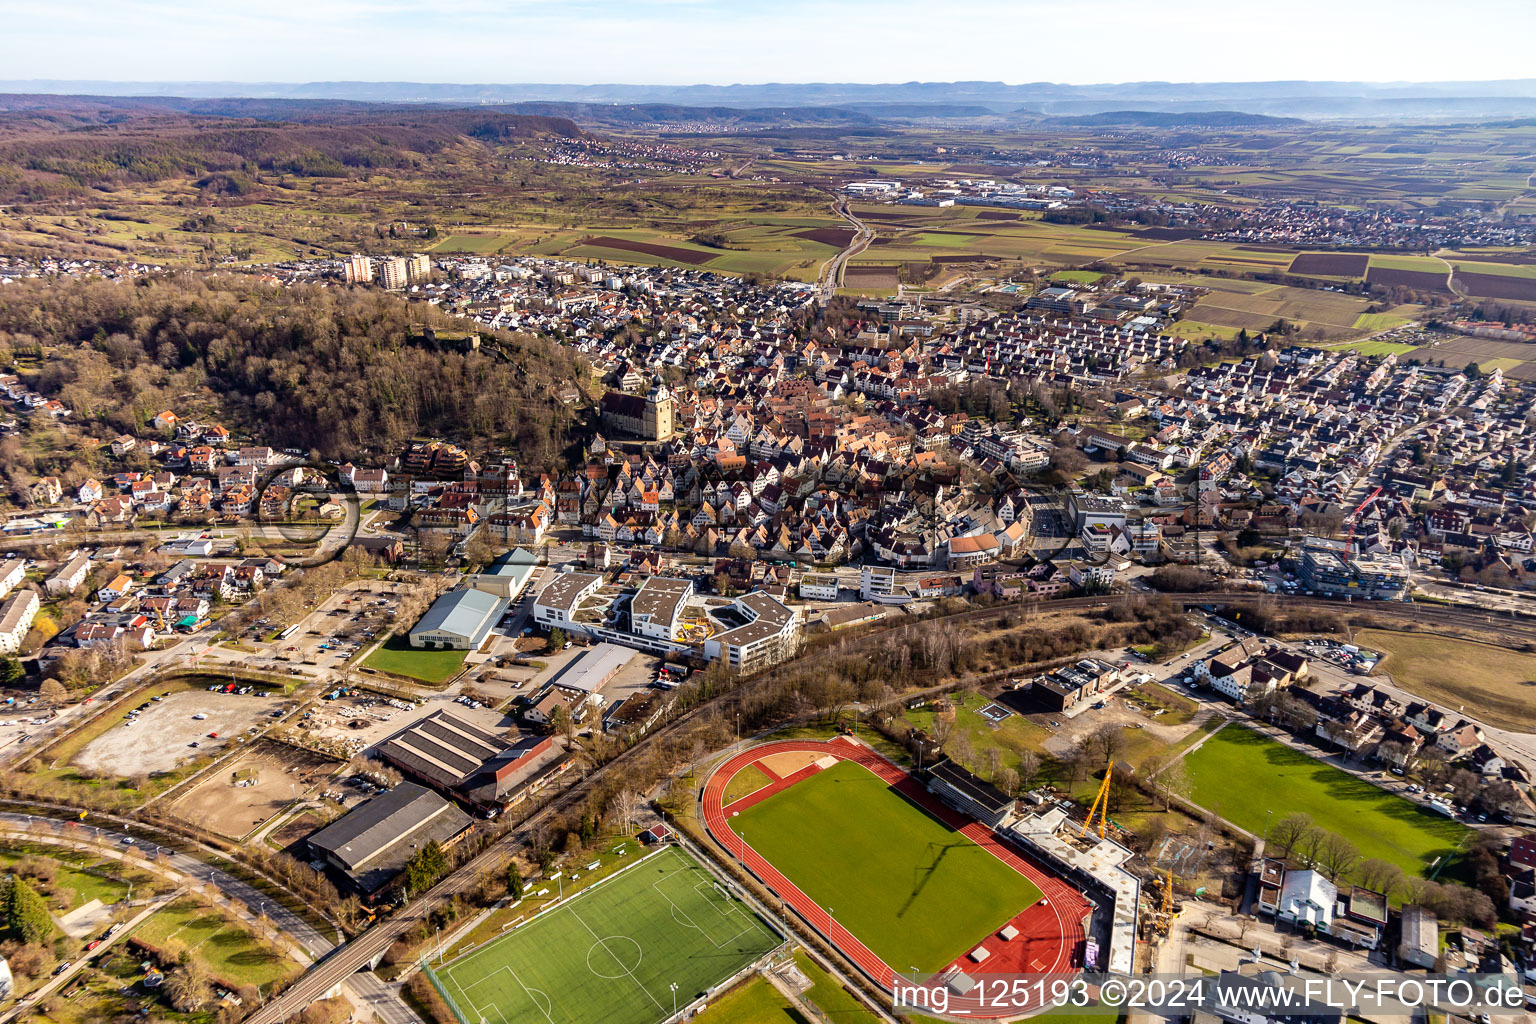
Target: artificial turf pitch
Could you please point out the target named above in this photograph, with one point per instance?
(611, 953)
(914, 891)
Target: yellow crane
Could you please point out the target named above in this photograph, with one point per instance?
(1168, 896)
(1100, 804)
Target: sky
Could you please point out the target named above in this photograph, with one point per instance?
(677, 42)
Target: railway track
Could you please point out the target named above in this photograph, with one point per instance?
(357, 954)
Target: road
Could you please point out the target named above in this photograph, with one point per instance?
(306, 938)
(307, 944)
(61, 979)
(832, 271)
(345, 961)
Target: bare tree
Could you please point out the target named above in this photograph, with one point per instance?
(1287, 832)
(1029, 769)
(1380, 875)
(1007, 780)
(943, 729)
(1108, 741)
(1336, 855)
(1309, 843)
(627, 807)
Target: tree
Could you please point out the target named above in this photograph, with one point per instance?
(1309, 843)
(1336, 855)
(52, 691)
(943, 728)
(627, 807)
(1029, 770)
(1287, 832)
(425, 867)
(561, 721)
(556, 638)
(1108, 742)
(186, 986)
(1006, 780)
(1173, 782)
(514, 881)
(26, 913)
(1380, 876)
(10, 671)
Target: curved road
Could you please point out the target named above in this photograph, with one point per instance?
(832, 273)
(307, 938)
(345, 961)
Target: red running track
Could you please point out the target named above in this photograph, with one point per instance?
(1050, 933)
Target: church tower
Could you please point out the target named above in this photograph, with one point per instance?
(659, 407)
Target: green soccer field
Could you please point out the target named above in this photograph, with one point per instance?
(612, 953)
(912, 890)
(1243, 776)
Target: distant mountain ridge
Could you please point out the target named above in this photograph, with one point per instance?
(1505, 98)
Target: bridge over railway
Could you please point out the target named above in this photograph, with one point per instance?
(357, 954)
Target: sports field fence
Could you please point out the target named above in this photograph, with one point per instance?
(442, 991)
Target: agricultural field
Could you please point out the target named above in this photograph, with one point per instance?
(907, 886)
(1515, 359)
(1253, 781)
(612, 952)
(1434, 667)
(1320, 315)
(473, 244)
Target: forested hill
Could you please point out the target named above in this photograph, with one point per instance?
(81, 143)
(334, 369)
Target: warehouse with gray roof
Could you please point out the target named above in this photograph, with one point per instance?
(370, 846)
(460, 619)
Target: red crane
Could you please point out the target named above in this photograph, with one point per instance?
(1354, 518)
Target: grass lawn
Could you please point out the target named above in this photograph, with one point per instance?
(611, 953)
(398, 656)
(1499, 691)
(912, 890)
(73, 885)
(829, 996)
(1012, 736)
(1077, 276)
(228, 951)
(1241, 775)
(756, 1002)
(744, 783)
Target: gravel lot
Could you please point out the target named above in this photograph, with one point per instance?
(160, 739)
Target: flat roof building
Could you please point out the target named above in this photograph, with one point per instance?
(588, 673)
(657, 605)
(557, 603)
(370, 845)
(770, 635)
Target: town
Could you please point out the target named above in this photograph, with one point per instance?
(482, 554)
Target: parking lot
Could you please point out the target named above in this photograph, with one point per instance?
(169, 732)
(333, 634)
